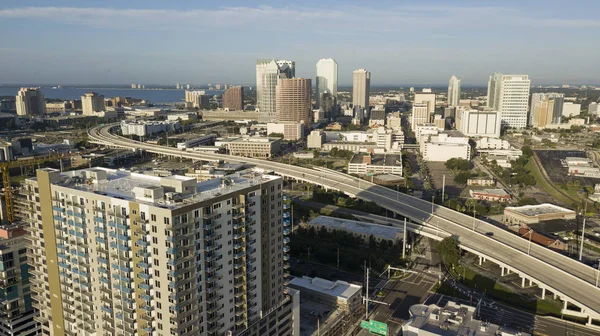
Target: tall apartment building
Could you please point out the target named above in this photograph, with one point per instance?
(30, 102)
(268, 73)
(453, 91)
(294, 96)
(119, 253)
(426, 97)
(420, 115)
(16, 312)
(546, 109)
(594, 109)
(91, 103)
(361, 85)
(197, 99)
(509, 95)
(327, 78)
(478, 123)
(233, 98)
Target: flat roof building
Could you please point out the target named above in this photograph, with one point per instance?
(340, 294)
(490, 195)
(258, 147)
(363, 163)
(360, 229)
(233, 98)
(126, 253)
(530, 214)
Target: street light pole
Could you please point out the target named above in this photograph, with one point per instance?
(530, 235)
(432, 199)
(474, 214)
(598, 272)
(582, 234)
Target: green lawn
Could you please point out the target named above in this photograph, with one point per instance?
(545, 186)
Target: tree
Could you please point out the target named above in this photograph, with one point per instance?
(448, 250)
(316, 153)
(276, 135)
(527, 151)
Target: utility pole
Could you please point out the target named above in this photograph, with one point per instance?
(432, 199)
(367, 294)
(582, 233)
(443, 187)
(404, 240)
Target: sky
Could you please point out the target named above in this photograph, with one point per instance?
(199, 42)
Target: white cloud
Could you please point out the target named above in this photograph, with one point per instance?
(351, 18)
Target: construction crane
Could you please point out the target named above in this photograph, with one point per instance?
(5, 166)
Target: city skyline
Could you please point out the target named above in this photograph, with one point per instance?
(440, 38)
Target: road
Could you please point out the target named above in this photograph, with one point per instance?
(565, 276)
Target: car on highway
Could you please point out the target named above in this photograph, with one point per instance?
(489, 234)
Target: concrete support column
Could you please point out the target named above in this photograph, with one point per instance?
(530, 282)
(589, 322)
(480, 260)
(554, 296)
(502, 271)
(543, 293)
(565, 305)
(523, 282)
(507, 271)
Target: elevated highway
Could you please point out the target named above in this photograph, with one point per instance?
(572, 281)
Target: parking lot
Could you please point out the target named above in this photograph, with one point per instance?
(551, 160)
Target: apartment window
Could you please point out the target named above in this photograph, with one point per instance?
(142, 215)
(154, 228)
(167, 220)
(153, 217)
(216, 205)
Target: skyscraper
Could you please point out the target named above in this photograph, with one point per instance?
(453, 91)
(30, 102)
(361, 83)
(546, 108)
(420, 115)
(268, 73)
(91, 103)
(233, 98)
(327, 78)
(123, 253)
(509, 95)
(294, 100)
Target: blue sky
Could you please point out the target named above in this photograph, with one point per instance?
(400, 42)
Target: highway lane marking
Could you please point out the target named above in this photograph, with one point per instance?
(200, 157)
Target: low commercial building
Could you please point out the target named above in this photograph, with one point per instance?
(141, 112)
(490, 195)
(547, 137)
(195, 142)
(64, 121)
(452, 319)
(531, 214)
(352, 146)
(491, 143)
(581, 166)
(256, 147)
(423, 131)
(339, 294)
(182, 116)
(442, 147)
(596, 195)
(382, 138)
(146, 127)
(552, 243)
(231, 115)
(359, 229)
(290, 131)
(481, 182)
(364, 163)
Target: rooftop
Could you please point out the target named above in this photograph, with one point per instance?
(380, 231)
(495, 192)
(539, 209)
(453, 319)
(120, 184)
(339, 289)
(378, 159)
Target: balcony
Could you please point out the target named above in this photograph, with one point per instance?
(286, 257)
(286, 248)
(286, 232)
(286, 240)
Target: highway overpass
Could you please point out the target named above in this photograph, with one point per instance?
(572, 281)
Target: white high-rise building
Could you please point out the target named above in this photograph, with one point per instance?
(453, 91)
(120, 253)
(419, 116)
(426, 97)
(571, 109)
(546, 108)
(91, 103)
(327, 78)
(509, 95)
(594, 109)
(268, 73)
(361, 85)
(30, 102)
